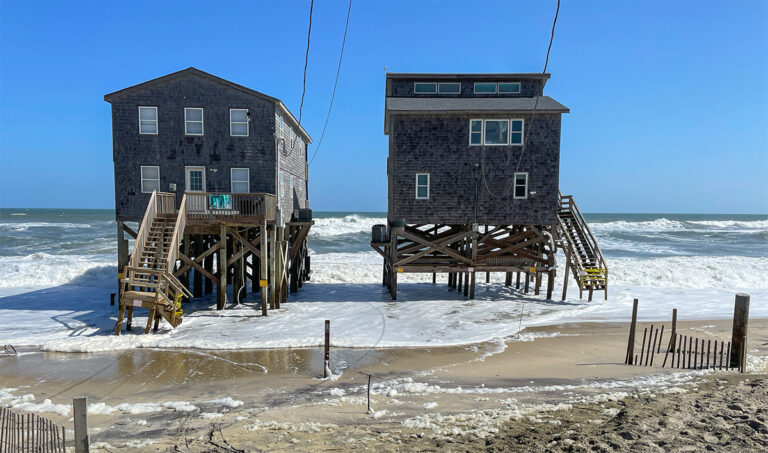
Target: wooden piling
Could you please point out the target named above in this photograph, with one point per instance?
(221, 295)
(517, 281)
(527, 281)
(674, 328)
(327, 350)
(263, 269)
(272, 277)
(208, 266)
(565, 276)
(81, 425)
(739, 331)
(728, 357)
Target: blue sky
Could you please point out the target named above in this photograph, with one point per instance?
(669, 100)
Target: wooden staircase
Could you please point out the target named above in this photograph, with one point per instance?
(148, 280)
(583, 256)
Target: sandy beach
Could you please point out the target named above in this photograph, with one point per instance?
(558, 387)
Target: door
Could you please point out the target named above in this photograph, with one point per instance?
(195, 177)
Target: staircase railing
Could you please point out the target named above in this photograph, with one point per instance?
(159, 203)
(567, 202)
(173, 248)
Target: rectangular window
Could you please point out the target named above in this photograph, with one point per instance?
(496, 132)
(422, 186)
(425, 88)
(240, 180)
(195, 177)
(238, 122)
(148, 120)
(517, 132)
(475, 132)
(449, 88)
(509, 87)
(521, 185)
(150, 179)
(485, 88)
(193, 121)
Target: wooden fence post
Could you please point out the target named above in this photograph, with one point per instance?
(327, 355)
(631, 342)
(81, 425)
(739, 332)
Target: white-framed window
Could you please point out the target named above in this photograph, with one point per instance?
(495, 132)
(240, 180)
(475, 132)
(195, 179)
(238, 122)
(521, 185)
(516, 135)
(485, 88)
(150, 178)
(193, 121)
(509, 87)
(147, 120)
(449, 88)
(425, 87)
(422, 186)
(280, 120)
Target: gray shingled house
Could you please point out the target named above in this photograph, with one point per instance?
(473, 176)
(206, 165)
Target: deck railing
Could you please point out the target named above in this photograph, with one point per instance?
(568, 203)
(203, 207)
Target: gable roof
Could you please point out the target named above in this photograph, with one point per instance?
(545, 104)
(196, 72)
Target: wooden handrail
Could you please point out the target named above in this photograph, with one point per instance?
(178, 232)
(146, 223)
(567, 202)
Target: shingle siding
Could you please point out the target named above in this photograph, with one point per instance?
(438, 144)
(172, 150)
(292, 157)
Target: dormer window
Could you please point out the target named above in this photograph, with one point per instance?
(425, 88)
(449, 88)
(485, 88)
(148, 120)
(193, 121)
(509, 87)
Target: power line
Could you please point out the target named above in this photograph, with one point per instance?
(306, 61)
(335, 83)
(530, 125)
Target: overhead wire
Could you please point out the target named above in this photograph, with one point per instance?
(335, 84)
(525, 130)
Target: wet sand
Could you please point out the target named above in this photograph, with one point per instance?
(423, 399)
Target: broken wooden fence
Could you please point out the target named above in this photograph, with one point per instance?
(29, 433)
(688, 352)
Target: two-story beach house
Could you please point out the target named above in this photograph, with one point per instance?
(207, 167)
(473, 183)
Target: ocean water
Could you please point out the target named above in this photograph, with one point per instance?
(50, 247)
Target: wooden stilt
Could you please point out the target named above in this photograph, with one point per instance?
(263, 268)
(149, 320)
(565, 276)
(517, 281)
(119, 324)
(272, 283)
(208, 266)
(222, 269)
(129, 320)
(507, 278)
(527, 281)
(537, 288)
(197, 286)
(550, 284)
(631, 341)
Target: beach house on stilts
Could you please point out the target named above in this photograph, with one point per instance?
(473, 174)
(215, 176)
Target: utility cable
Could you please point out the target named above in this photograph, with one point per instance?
(335, 83)
(530, 125)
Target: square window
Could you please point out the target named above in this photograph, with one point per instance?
(509, 87)
(425, 87)
(517, 132)
(485, 88)
(496, 132)
(475, 132)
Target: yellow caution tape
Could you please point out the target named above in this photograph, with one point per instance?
(262, 283)
(533, 269)
(400, 270)
(120, 275)
(177, 303)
